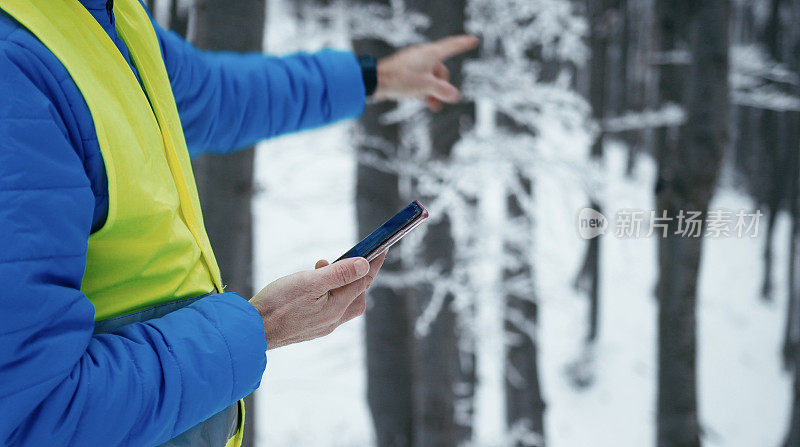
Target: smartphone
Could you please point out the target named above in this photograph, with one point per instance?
(389, 233)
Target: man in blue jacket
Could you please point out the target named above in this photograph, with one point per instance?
(156, 375)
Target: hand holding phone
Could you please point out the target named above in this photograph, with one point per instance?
(389, 233)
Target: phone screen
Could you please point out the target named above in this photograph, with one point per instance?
(390, 232)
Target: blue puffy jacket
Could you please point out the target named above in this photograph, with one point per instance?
(59, 383)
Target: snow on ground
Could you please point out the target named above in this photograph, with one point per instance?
(618, 408)
(313, 394)
(745, 393)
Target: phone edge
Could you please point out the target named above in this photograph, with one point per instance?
(400, 234)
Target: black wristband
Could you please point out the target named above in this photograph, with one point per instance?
(369, 72)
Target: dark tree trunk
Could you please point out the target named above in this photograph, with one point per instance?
(790, 335)
(602, 17)
(178, 19)
(437, 366)
(622, 33)
(225, 183)
(637, 35)
(776, 159)
(791, 347)
(389, 336)
(670, 21)
(773, 205)
(524, 402)
(687, 177)
(793, 433)
(588, 279)
(791, 344)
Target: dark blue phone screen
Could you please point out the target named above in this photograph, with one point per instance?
(384, 232)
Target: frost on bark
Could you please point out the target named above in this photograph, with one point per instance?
(524, 79)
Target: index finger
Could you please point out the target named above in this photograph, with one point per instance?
(453, 45)
(376, 264)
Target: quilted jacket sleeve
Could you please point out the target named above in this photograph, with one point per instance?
(231, 100)
(59, 383)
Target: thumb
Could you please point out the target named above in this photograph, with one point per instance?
(341, 273)
(443, 91)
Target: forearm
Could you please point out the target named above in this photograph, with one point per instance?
(231, 100)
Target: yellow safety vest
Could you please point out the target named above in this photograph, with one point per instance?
(153, 247)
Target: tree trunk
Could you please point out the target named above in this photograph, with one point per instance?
(793, 434)
(687, 180)
(178, 19)
(524, 402)
(791, 348)
(791, 344)
(437, 367)
(638, 18)
(225, 184)
(601, 15)
(773, 134)
(389, 337)
(670, 21)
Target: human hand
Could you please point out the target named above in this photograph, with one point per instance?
(312, 303)
(418, 72)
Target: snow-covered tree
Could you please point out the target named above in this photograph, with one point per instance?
(532, 122)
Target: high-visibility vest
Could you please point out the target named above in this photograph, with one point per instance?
(153, 247)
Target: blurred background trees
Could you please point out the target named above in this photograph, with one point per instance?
(494, 324)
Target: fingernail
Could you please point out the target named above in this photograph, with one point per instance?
(362, 267)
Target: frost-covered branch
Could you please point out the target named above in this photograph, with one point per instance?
(766, 97)
(394, 24)
(521, 322)
(521, 434)
(514, 27)
(516, 91)
(667, 116)
(751, 62)
(760, 82)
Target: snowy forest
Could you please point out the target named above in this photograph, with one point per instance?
(673, 124)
